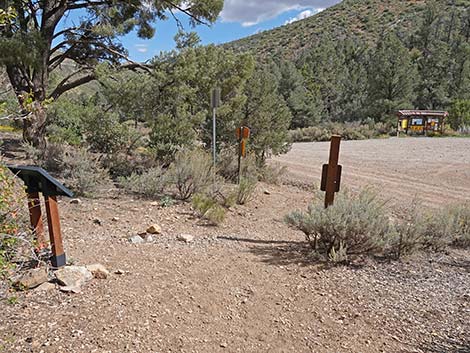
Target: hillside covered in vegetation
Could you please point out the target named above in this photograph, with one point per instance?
(364, 20)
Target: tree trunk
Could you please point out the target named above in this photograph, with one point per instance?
(34, 126)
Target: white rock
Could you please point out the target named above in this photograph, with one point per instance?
(73, 276)
(136, 239)
(187, 238)
(98, 271)
(75, 201)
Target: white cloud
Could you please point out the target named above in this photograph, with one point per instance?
(301, 16)
(252, 12)
(142, 48)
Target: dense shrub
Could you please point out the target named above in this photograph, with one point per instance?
(358, 223)
(191, 172)
(246, 190)
(150, 183)
(12, 211)
(80, 170)
(208, 208)
(348, 131)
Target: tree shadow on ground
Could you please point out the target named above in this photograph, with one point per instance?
(281, 252)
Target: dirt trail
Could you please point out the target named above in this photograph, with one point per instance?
(434, 170)
(247, 286)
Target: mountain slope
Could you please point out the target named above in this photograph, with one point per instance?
(364, 19)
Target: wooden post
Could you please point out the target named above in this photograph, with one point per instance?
(35, 216)
(53, 221)
(332, 170)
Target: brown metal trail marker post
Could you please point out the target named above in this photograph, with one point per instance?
(37, 180)
(331, 173)
(242, 133)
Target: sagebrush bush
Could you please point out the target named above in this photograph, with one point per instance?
(358, 223)
(272, 173)
(227, 165)
(191, 172)
(80, 170)
(151, 183)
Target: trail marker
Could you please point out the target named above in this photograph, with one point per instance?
(331, 172)
(242, 133)
(37, 180)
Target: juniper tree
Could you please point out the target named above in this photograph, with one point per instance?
(38, 41)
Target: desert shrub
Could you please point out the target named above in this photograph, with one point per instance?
(348, 131)
(227, 165)
(80, 170)
(246, 190)
(356, 223)
(12, 210)
(461, 217)
(208, 208)
(409, 230)
(191, 172)
(124, 164)
(150, 183)
(272, 173)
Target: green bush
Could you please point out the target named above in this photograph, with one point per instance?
(246, 190)
(150, 183)
(208, 208)
(12, 203)
(80, 170)
(357, 223)
(191, 172)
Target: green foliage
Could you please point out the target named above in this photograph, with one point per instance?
(191, 172)
(348, 131)
(150, 183)
(80, 169)
(246, 190)
(12, 200)
(357, 223)
(459, 115)
(208, 208)
(267, 115)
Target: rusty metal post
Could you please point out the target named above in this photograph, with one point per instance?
(35, 217)
(331, 178)
(55, 235)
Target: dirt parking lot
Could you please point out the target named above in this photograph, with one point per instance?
(434, 170)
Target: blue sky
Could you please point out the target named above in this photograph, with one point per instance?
(238, 19)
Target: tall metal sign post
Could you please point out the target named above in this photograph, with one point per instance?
(215, 103)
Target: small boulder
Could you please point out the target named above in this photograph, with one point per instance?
(31, 278)
(136, 239)
(73, 277)
(187, 238)
(154, 229)
(45, 287)
(75, 201)
(115, 219)
(149, 238)
(98, 271)
(267, 192)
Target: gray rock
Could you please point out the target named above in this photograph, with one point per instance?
(98, 271)
(187, 238)
(73, 277)
(136, 239)
(31, 278)
(149, 238)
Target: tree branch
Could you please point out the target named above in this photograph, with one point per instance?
(62, 88)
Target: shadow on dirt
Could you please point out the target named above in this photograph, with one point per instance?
(448, 346)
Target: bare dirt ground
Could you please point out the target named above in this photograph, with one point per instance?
(434, 170)
(249, 285)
